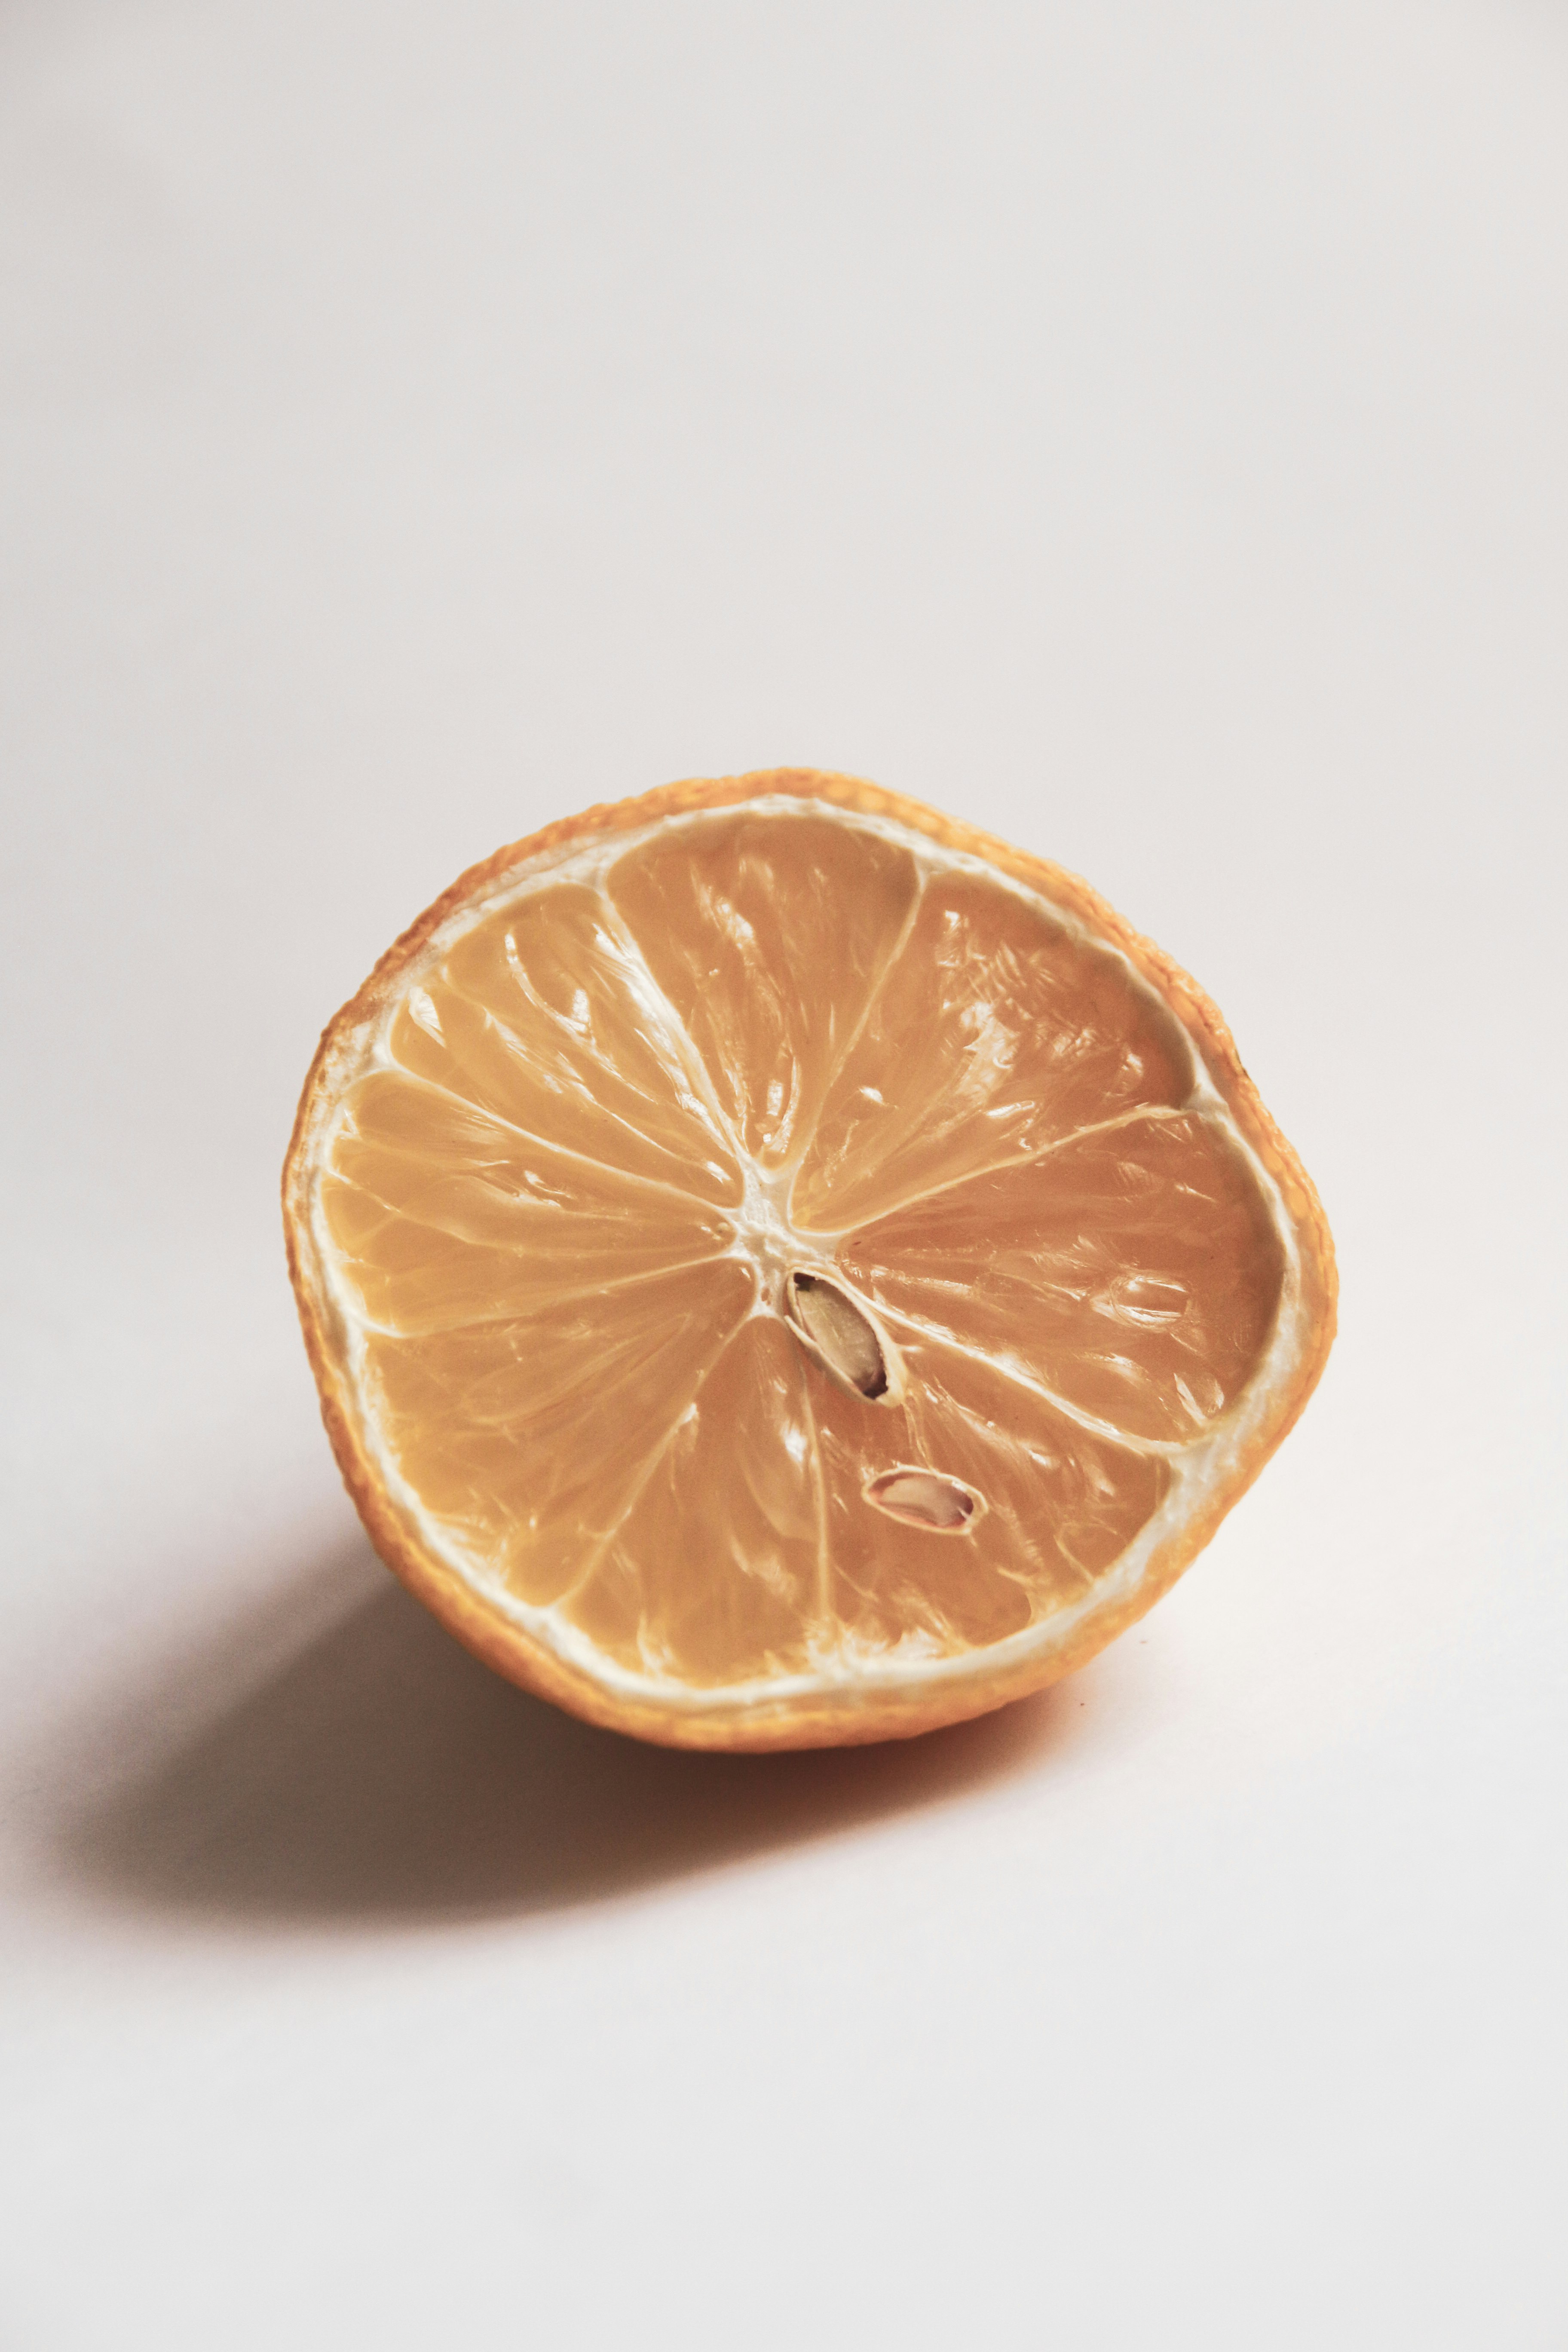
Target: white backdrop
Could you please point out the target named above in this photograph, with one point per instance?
(1142, 430)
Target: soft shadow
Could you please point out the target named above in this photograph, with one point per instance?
(383, 1774)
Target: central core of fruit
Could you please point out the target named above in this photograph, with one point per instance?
(764, 1236)
(795, 1282)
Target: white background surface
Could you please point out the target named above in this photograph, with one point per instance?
(1142, 430)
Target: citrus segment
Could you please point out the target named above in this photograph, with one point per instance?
(781, 1268)
(1021, 1031)
(760, 1495)
(715, 1574)
(767, 940)
(546, 1017)
(442, 1215)
(1057, 1505)
(530, 1439)
(1134, 1270)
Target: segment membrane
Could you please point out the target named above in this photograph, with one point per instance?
(1060, 1505)
(995, 1032)
(716, 1573)
(543, 1016)
(1135, 1273)
(766, 934)
(442, 1216)
(529, 1439)
(752, 1550)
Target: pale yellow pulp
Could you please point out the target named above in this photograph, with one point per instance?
(610, 1116)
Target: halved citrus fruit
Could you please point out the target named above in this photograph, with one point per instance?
(783, 1268)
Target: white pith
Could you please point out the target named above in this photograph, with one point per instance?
(768, 1244)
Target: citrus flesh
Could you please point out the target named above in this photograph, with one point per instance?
(781, 1268)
